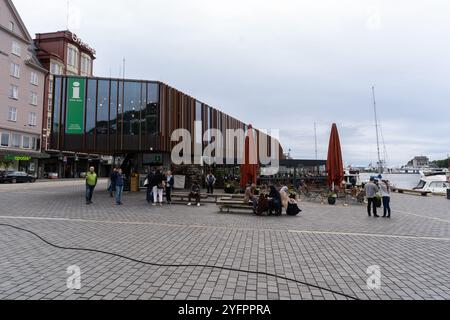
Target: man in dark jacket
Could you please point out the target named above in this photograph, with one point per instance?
(119, 187)
(112, 186)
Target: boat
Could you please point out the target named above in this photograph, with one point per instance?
(434, 172)
(352, 178)
(436, 184)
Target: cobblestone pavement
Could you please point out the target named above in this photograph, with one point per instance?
(327, 246)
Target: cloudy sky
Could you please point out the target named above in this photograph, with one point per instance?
(285, 64)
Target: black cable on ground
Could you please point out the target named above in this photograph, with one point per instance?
(178, 266)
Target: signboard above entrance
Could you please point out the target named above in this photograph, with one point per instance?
(16, 158)
(75, 105)
(152, 159)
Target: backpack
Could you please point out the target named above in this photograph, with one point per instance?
(293, 209)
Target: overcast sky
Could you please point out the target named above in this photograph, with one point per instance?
(285, 64)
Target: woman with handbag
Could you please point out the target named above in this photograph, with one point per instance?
(170, 182)
(149, 183)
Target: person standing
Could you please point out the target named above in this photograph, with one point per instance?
(210, 183)
(371, 192)
(91, 183)
(386, 194)
(158, 188)
(112, 185)
(169, 186)
(119, 186)
(150, 185)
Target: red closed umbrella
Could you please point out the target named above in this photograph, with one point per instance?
(249, 170)
(335, 165)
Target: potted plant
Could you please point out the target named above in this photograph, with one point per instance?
(229, 188)
(332, 198)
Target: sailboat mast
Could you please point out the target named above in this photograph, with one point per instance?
(315, 139)
(380, 165)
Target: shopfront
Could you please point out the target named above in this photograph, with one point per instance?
(24, 162)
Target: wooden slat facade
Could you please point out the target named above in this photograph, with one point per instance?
(176, 110)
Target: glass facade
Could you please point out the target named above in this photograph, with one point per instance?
(102, 122)
(118, 115)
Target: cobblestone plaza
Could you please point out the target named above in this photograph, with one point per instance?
(327, 246)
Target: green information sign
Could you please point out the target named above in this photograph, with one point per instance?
(75, 105)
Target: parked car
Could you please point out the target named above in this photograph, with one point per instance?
(52, 175)
(16, 177)
(2, 176)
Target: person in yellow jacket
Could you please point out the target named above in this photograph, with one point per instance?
(91, 183)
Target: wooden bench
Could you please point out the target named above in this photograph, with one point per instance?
(228, 205)
(217, 196)
(184, 196)
(415, 192)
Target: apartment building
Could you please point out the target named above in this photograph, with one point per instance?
(22, 80)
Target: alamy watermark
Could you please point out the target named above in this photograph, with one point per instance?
(228, 149)
(74, 280)
(374, 280)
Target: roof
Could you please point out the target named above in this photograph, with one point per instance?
(302, 163)
(19, 19)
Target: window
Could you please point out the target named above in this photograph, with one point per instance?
(32, 119)
(55, 69)
(12, 26)
(16, 48)
(33, 143)
(72, 57)
(14, 70)
(34, 99)
(26, 142)
(5, 139)
(85, 65)
(50, 86)
(15, 140)
(91, 107)
(12, 114)
(14, 92)
(34, 78)
(103, 107)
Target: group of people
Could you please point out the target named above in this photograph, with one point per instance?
(157, 182)
(271, 202)
(373, 189)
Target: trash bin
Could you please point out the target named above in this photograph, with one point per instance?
(134, 183)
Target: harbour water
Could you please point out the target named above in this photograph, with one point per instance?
(404, 181)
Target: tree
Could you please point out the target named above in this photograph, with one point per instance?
(442, 163)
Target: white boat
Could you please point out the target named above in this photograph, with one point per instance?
(437, 184)
(352, 178)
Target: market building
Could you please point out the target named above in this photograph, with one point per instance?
(131, 120)
(22, 80)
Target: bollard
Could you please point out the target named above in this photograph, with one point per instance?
(448, 194)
